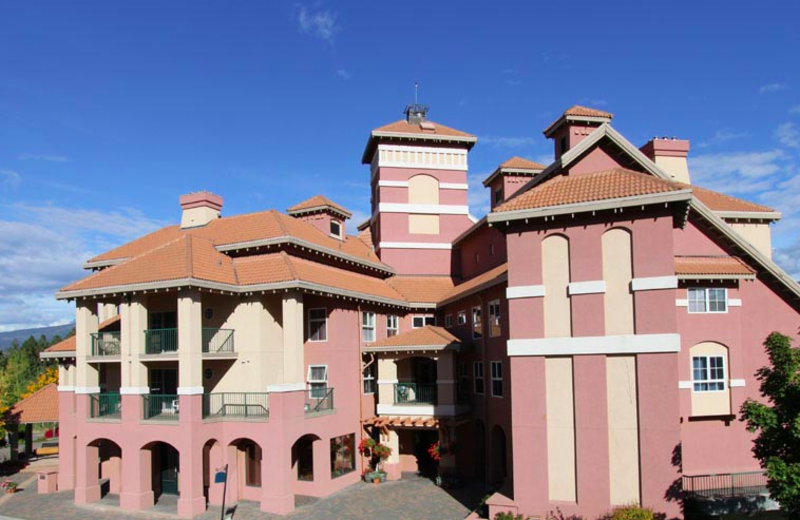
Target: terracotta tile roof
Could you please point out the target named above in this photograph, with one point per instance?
(39, 407)
(422, 289)
(711, 265)
(493, 276)
(578, 110)
(110, 324)
(520, 163)
(66, 345)
(720, 202)
(573, 189)
(428, 337)
(428, 128)
(365, 235)
(282, 267)
(316, 202)
(140, 245)
(402, 421)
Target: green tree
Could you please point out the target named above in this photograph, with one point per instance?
(777, 423)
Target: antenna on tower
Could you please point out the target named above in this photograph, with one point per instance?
(416, 92)
(416, 113)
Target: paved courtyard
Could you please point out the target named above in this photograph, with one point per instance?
(409, 499)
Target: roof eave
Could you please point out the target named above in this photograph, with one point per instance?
(555, 125)
(413, 348)
(499, 279)
(510, 171)
(94, 264)
(689, 277)
(57, 355)
(325, 207)
(366, 157)
(749, 215)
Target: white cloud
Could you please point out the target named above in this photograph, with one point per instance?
(772, 87)
(795, 110)
(742, 172)
(9, 179)
(478, 195)
(788, 135)
(721, 137)
(319, 23)
(43, 157)
(344, 74)
(789, 259)
(497, 141)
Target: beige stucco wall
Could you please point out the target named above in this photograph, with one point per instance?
(201, 216)
(293, 353)
(677, 167)
(759, 235)
(423, 224)
(387, 371)
(555, 273)
(423, 189)
(133, 323)
(623, 429)
(560, 429)
(711, 403)
(190, 356)
(85, 324)
(617, 273)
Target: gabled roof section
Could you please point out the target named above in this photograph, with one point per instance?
(716, 267)
(65, 345)
(495, 276)
(579, 113)
(39, 407)
(403, 130)
(422, 289)
(318, 203)
(428, 337)
(723, 204)
(516, 166)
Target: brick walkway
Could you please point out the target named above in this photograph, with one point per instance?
(412, 499)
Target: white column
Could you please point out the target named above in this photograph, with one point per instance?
(293, 360)
(133, 323)
(85, 325)
(190, 347)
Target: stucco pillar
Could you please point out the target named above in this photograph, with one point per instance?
(106, 311)
(293, 363)
(277, 496)
(387, 378)
(137, 490)
(66, 431)
(133, 323)
(392, 464)
(85, 325)
(446, 379)
(192, 501)
(87, 487)
(190, 345)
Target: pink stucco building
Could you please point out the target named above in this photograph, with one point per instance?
(586, 344)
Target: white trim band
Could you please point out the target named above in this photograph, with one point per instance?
(590, 287)
(432, 209)
(589, 345)
(685, 385)
(191, 390)
(404, 184)
(87, 389)
(66, 388)
(415, 245)
(419, 409)
(653, 283)
(681, 302)
(525, 291)
(286, 387)
(388, 381)
(737, 383)
(134, 390)
(734, 302)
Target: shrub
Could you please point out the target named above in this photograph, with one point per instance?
(632, 512)
(508, 516)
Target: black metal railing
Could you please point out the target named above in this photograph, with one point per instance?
(165, 407)
(105, 405)
(318, 399)
(217, 340)
(413, 393)
(725, 485)
(159, 341)
(238, 405)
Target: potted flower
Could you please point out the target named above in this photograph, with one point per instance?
(377, 454)
(10, 486)
(436, 451)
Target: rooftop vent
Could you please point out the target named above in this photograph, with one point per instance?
(416, 113)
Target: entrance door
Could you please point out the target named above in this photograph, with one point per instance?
(164, 381)
(169, 470)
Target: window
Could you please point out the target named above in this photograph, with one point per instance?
(317, 381)
(392, 325)
(343, 455)
(478, 372)
(448, 320)
(477, 257)
(497, 378)
(494, 318)
(498, 196)
(462, 317)
(420, 321)
(564, 145)
(491, 249)
(367, 326)
(318, 324)
(336, 228)
(702, 299)
(477, 328)
(708, 373)
(369, 377)
(164, 320)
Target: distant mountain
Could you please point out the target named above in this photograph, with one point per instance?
(22, 334)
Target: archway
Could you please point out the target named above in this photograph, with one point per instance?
(213, 460)
(108, 471)
(303, 457)
(164, 468)
(480, 451)
(244, 468)
(499, 456)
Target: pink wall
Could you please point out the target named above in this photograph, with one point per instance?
(488, 243)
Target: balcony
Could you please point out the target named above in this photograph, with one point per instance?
(105, 344)
(217, 341)
(318, 400)
(161, 341)
(236, 405)
(161, 407)
(726, 485)
(415, 393)
(105, 406)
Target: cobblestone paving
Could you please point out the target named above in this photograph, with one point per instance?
(412, 499)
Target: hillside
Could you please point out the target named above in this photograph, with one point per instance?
(22, 334)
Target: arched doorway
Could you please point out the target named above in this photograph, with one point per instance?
(244, 465)
(213, 460)
(480, 451)
(108, 455)
(499, 456)
(165, 468)
(303, 457)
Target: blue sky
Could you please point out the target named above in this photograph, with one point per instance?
(109, 110)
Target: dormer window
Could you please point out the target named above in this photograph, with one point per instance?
(336, 228)
(498, 196)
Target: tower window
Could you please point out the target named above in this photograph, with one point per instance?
(336, 228)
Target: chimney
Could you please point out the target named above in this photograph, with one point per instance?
(199, 208)
(416, 114)
(670, 155)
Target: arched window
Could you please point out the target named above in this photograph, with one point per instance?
(423, 190)
(555, 274)
(618, 273)
(710, 391)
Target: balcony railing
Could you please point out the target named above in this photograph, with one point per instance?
(413, 393)
(728, 485)
(237, 405)
(159, 341)
(105, 344)
(105, 405)
(164, 407)
(217, 340)
(319, 399)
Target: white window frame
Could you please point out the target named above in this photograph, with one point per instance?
(368, 374)
(480, 315)
(462, 317)
(424, 318)
(392, 325)
(314, 384)
(720, 384)
(496, 373)
(706, 300)
(492, 317)
(368, 327)
(478, 375)
(318, 320)
(448, 321)
(339, 235)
